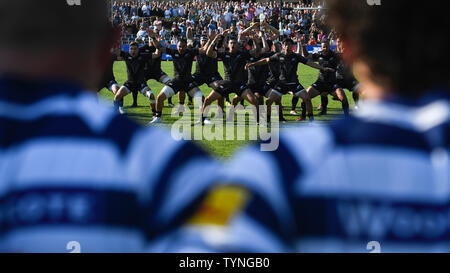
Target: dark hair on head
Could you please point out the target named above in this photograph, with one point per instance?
(78, 27)
(182, 40)
(409, 66)
(133, 44)
(269, 43)
(233, 38)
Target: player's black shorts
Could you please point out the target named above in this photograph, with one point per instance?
(286, 87)
(324, 87)
(135, 87)
(268, 85)
(350, 84)
(225, 88)
(155, 75)
(185, 84)
(259, 88)
(208, 80)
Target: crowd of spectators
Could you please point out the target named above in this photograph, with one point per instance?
(173, 19)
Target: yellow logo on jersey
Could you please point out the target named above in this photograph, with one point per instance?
(220, 205)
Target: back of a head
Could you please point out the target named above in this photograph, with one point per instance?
(35, 26)
(402, 43)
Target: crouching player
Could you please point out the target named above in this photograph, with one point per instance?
(234, 61)
(288, 80)
(135, 61)
(182, 78)
(345, 79)
(326, 81)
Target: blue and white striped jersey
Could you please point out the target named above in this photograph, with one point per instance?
(382, 175)
(71, 169)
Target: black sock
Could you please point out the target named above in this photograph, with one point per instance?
(324, 100)
(345, 107)
(169, 100)
(294, 102)
(158, 114)
(135, 98)
(303, 109)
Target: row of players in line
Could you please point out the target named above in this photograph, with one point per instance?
(254, 68)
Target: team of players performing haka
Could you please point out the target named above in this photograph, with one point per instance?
(255, 67)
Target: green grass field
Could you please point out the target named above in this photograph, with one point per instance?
(220, 149)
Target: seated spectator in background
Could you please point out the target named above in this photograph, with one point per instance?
(163, 33)
(312, 41)
(158, 24)
(321, 36)
(167, 12)
(146, 10)
(142, 33)
(117, 19)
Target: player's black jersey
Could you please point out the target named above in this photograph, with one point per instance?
(206, 66)
(288, 65)
(136, 66)
(343, 70)
(274, 69)
(182, 63)
(234, 65)
(153, 66)
(258, 74)
(329, 59)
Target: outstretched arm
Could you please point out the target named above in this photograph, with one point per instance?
(211, 38)
(319, 67)
(157, 54)
(155, 41)
(264, 42)
(256, 47)
(258, 63)
(210, 52)
(249, 29)
(271, 29)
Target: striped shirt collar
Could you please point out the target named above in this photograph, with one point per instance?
(422, 114)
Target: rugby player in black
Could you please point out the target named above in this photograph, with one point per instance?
(288, 80)
(234, 61)
(345, 79)
(182, 78)
(274, 75)
(135, 61)
(206, 68)
(153, 69)
(327, 79)
(263, 78)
